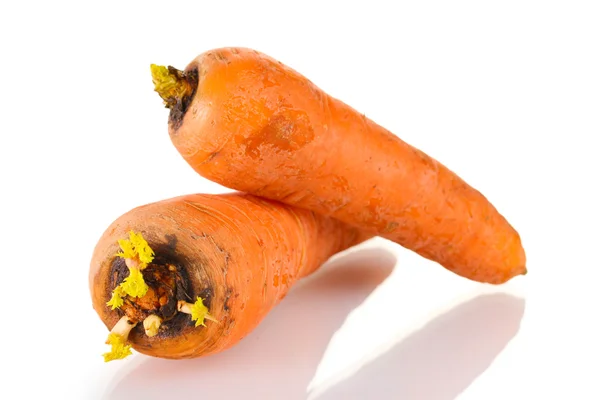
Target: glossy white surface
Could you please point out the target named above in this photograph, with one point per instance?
(504, 93)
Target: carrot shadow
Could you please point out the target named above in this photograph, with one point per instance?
(279, 358)
(442, 359)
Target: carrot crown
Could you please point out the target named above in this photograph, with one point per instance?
(138, 255)
(171, 84)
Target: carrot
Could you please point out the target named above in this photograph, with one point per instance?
(246, 121)
(192, 275)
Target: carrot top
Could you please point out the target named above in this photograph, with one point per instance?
(171, 84)
(142, 303)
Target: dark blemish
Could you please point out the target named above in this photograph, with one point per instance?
(170, 309)
(219, 248)
(173, 327)
(181, 290)
(119, 272)
(219, 56)
(171, 242)
(390, 227)
(227, 296)
(179, 109)
(226, 267)
(235, 51)
(210, 157)
(207, 295)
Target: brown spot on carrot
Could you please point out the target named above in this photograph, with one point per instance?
(228, 292)
(210, 157)
(171, 242)
(207, 295)
(390, 227)
(288, 130)
(221, 57)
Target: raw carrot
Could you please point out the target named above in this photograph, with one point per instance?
(250, 123)
(204, 270)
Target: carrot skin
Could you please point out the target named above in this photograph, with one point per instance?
(257, 126)
(242, 253)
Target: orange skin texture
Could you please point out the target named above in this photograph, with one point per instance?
(256, 125)
(250, 251)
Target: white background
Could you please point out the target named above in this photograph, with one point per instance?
(505, 93)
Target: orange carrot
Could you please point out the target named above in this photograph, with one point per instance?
(250, 123)
(192, 275)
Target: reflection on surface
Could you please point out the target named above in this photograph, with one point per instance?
(278, 360)
(443, 358)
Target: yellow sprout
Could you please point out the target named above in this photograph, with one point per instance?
(127, 249)
(169, 84)
(200, 312)
(118, 349)
(142, 248)
(134, 284)
(116, 300)
(136, 247)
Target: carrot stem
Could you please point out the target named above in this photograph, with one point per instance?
(171, 84)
